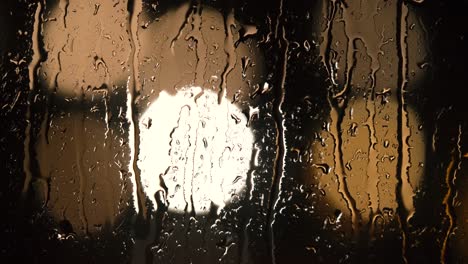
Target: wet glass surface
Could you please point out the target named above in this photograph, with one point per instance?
(233, 131)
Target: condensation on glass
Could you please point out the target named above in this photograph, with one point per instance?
(233, 131)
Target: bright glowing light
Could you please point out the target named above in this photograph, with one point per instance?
(201, 149)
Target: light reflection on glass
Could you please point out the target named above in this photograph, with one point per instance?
(199, 148)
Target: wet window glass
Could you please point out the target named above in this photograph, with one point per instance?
(221, 131)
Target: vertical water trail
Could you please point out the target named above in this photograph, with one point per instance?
(136, 11)
(350, 49)
(339, 168)
(325, 51)
(325, 48)
(133, 88)
(448, 201)
(45, 126)
(407, 189)
(32, 68)
(372, 170)
(279, 163)
(186, 186)
(372, 173)
(106, 91)
(108, 159)
(138, 197)
(230, 51)
(65, 12)
(193, 172)
(404, 191)
(188, 14)
(80, 147)
(336, 116)
(197, 35)
(278, 20)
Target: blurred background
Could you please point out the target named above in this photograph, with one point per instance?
(227, 131)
